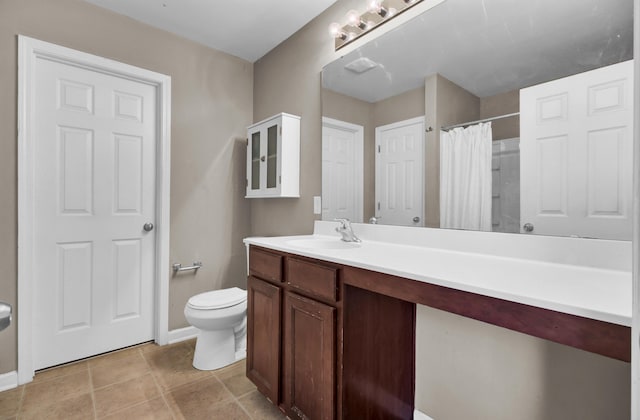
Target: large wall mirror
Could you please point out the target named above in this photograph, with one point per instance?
(495, 115)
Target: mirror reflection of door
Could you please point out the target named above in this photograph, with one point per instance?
(399, 173)
(576, 154)
(342, 168)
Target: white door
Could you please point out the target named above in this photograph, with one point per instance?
(342, 150)
(577, 153)
(399, 173)
(95, 157)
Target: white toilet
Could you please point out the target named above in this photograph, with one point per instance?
(221, 317)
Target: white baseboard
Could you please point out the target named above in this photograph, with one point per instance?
(8, 380)
(419, 415)
(182, 334)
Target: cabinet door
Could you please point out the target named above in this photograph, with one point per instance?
(263, 159)
(309, 358)
(272, 156)
(254, 154)
(263, 337)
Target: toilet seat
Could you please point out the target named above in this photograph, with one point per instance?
(218, 299)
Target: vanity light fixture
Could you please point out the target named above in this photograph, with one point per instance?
(377, 12)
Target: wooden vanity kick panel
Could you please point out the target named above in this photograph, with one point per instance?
(264, 264)
(312, 279)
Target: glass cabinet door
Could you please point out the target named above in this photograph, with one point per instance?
(255, 160)
(272, 156)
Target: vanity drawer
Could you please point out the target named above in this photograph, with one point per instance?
(313, 279)
(265, 265)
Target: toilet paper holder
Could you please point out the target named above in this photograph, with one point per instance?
(177, 267)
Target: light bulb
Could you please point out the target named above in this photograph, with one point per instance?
(375, 6)
(335, 29)
(392, 12)
(353, 17)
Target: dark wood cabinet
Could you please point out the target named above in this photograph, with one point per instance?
(315, 358)
(292, 333)
(263, 336)
(309, 358)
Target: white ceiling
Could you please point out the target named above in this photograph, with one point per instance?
(490, 46)
(245, 28)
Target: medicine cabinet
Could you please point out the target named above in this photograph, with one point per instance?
(273, 157)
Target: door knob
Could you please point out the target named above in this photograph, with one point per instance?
(528, 227)
(5, 315)
(148, 227)
(416, 219)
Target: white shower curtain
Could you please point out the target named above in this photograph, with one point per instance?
(465, 178)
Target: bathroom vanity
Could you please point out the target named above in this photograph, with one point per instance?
(331, 325)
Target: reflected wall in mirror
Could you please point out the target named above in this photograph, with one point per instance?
(560, 166)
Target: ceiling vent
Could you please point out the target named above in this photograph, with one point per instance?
(361, 65)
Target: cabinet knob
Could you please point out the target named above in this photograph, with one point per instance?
(261, 158)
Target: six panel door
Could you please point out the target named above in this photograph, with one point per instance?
(95, 154)
(339, 169)
(399, 173)
(576, 153)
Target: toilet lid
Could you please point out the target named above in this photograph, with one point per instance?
(218, 299)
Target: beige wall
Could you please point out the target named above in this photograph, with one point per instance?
(287, 79)
(502, 104)
(404, 106)
(212, 101)
(478, 360)
(467, 369)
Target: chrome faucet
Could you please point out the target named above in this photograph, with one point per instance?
(345, 230)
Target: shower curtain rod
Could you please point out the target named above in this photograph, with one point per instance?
(499, 117)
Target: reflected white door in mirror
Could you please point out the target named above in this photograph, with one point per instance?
(399, 173)
(342, 169)
(577, 154)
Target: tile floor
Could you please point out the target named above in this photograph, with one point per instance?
(141, 382)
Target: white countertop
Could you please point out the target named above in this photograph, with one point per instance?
(591, 292)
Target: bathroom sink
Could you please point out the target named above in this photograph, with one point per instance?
(323, 244)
